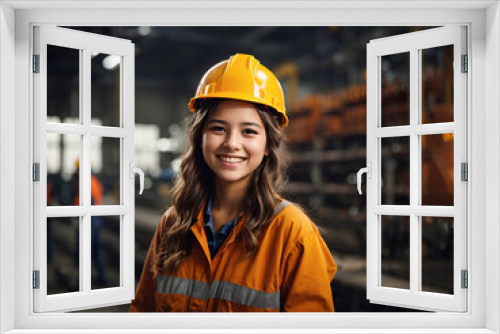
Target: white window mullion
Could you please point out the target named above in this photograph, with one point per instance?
(124, 265)
(127, 231)
(392, 131)
(124, 178)
(85, 173)
(415, 251)
(106, 131)
(85, 161)
(85, 255)
(76, 129)
(422, 129)
(39, 156)
(67, 129)
(434, 211)
(415, 170)
(432, 129)
(378, 252)
(406, 210)
(460, 155)
(373, 184)
(109, 210)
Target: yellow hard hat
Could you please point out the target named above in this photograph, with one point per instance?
(242, 77)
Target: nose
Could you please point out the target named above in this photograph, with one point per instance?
(233, 141)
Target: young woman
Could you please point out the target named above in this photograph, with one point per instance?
(229, 242)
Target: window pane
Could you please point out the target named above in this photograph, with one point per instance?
(395, 251)
(437, 254)
(105, 181)
(437, 169)
(63, 259)
(395, 85)
(63, 84)
(105, 254)
(395, 171)
(63, 160)
(106, 88)
(437, 84)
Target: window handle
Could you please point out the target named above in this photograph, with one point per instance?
(135, 170)
(368, 171)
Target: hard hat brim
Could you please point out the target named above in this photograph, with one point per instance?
(241, 97)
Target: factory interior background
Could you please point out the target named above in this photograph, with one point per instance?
(323, 74)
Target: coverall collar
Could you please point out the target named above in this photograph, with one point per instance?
(198, 229)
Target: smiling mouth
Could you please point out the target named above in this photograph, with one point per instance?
(229, 159)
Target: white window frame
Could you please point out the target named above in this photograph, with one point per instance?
(16, 214)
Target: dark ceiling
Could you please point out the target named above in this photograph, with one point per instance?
(177, 57)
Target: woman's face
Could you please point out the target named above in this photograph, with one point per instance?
(234, 141)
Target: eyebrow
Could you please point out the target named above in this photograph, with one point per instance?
(243, 124)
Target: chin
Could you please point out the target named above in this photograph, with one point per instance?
(232, 178)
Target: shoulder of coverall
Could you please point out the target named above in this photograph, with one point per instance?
(294, 223)
(291, 220)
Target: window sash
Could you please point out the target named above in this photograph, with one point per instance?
(413, 43)
(86, 297)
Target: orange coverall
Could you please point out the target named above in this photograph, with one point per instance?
(290, 271)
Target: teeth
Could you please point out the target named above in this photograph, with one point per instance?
(226, 159)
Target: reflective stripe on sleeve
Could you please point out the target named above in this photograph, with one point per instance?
(218, 290)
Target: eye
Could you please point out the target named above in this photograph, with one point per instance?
(249, 132)
(217, 128)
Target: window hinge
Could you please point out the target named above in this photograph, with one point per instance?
(465, 279)
(464, 172)
(36, 63)
(465, 64)
(36, 172)
(36, 279)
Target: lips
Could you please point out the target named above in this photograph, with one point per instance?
(231, 159)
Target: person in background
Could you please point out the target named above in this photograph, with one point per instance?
(96, 222)
(229, 242)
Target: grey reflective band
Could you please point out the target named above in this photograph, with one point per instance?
(280, 207)
(218, 290)
(182, 286)
(244, 296)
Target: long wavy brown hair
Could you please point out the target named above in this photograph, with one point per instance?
(195, 183)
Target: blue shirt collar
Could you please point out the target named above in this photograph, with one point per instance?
(209, 222)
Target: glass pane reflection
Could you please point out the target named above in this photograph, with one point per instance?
(395, 171)
(437, 85)
(437, 169)
(105, 254)
(437, 254)
(395, 76)
(63, 154)
(106, 88)
(395, 251)
(105, 181)
(63, 260)
(63, 85)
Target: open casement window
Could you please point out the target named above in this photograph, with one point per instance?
(416, 151)
(78, 142)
